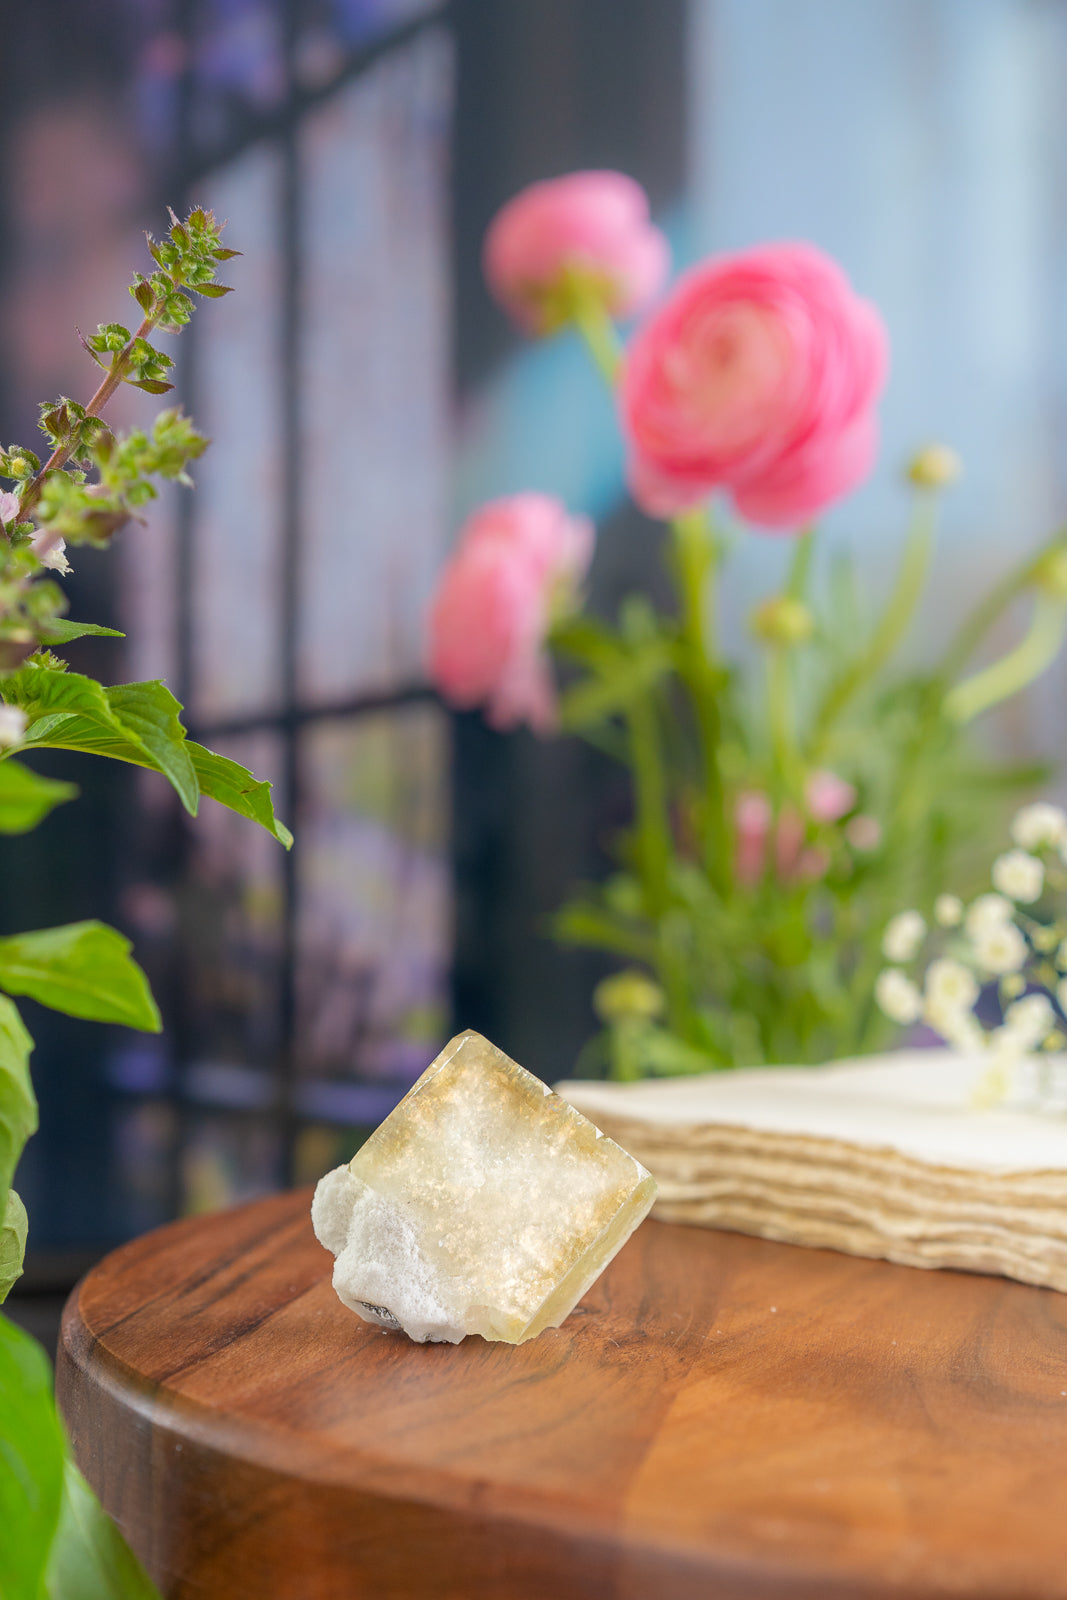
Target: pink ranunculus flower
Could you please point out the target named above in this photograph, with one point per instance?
(759, 375)
(593, 226)
(518, 563)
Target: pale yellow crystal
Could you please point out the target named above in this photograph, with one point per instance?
(483, 1204)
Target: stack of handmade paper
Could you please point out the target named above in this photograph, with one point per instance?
(885, 1156)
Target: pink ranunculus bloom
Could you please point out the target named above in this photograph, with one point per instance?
(518, 562)
(590, 225)
(759, 375)
(828, 797)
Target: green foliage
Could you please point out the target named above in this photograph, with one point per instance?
(774, 958)
(55, 1541)
(89, 1558)
(84, 969)
(57, 1544)
(13, 1225)
(26, 798)
(18, 1104)
(234, 786)
(31, 1464)
(137, 723)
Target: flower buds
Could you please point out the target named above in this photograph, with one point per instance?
(782, 621)
(628, 994)
(934, 467)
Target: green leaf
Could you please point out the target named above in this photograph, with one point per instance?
(61, 631)
(18, 1107)
(598, 697)
(135, 722)
(31, 1464)
(150, 711)
(84, 969)
(90, 1560)
(234, 786)
(213, 291)
(26, 798)
(150, 385)
(12, 1242)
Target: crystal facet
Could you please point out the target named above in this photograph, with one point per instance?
(483, 1204)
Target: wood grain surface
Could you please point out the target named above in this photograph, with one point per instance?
(721, 1417)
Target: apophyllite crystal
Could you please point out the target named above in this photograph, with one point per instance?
(483, 1204)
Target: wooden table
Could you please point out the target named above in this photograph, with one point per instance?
(721, 1417)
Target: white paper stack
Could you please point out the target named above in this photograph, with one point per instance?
(882, 1156)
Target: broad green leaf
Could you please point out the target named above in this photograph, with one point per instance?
(84, 969)
(26, 798)
(136, 722)
(89, 1559)
(234, 786)
(150, 711)
(13, 1226)
(61, 631)
(18, 1107)
(31, 1464)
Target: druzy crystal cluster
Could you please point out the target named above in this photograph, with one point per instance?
(483, 1204)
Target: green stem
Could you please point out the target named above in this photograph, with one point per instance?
(977, 625)
(1019, 667)
(893, 624)
(652, 825)
(796, 585)
(600, 335)
(780, 717)
(696, 558)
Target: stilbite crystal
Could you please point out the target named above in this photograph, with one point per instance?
(483, 1204)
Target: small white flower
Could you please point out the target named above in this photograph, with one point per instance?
(898, 996)
(9, 504)
(955, 1025)
(1038, 825)
(1027, 1021)
(948, 910)
(903, 935)
(1018, 875)
(950, 983)
(49, 550)
(12, 725)
(1000, 948)
(988, 911)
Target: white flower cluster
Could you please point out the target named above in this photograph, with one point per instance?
(996, 940)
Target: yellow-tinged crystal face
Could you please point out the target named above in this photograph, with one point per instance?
(483, 1204)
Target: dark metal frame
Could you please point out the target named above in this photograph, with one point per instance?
(281, 127)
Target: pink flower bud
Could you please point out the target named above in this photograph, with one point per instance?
(759, 375)
(828, 796)
(518, 561)
(752, 826)
(589, 228)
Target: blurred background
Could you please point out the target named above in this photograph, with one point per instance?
(363, 394)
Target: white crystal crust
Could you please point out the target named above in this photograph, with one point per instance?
(483, 1204)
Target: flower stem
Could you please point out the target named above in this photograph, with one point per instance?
(696, 559)
(1019, 667)
(893, 624)
(600, 335)
(120, 366)
(654, 844)
(977, 625)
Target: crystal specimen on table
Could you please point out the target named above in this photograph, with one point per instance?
(483, 1204)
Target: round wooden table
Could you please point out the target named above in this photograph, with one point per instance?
(721, 1417)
